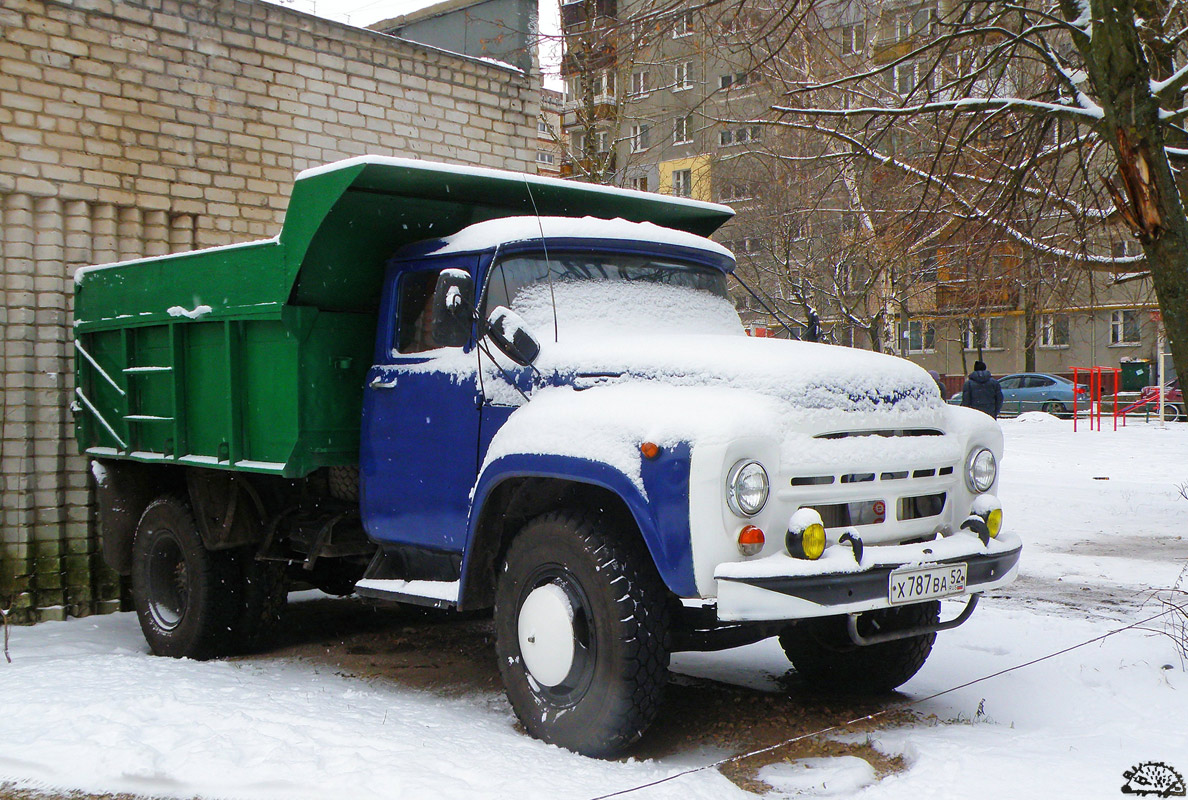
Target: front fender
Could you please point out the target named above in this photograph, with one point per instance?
(660, 509)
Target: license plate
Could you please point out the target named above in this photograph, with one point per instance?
(926, 583)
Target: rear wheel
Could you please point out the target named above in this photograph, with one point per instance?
(1171, 411)
(186, 597)
(822, 653)
(582, 633)
(1056, 409)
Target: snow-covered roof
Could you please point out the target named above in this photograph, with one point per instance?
(494, 232)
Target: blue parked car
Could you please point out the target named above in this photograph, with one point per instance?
(1037, 391)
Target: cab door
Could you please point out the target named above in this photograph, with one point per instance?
(419, 447)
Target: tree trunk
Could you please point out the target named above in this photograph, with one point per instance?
(1030, 337)
(1132, 127)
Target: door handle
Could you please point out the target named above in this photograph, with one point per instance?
(378, 382)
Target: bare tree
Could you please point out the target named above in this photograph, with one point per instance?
(1033, 126)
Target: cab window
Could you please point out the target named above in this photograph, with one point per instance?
(414, 324)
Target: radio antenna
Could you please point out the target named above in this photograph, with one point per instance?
(548, 265)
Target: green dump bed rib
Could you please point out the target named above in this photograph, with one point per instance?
(252, 356)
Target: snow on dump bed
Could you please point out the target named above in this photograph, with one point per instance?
(494, 232)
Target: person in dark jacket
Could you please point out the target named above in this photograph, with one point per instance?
(981, 391)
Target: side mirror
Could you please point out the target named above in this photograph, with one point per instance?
(453, 308)
(510, 334)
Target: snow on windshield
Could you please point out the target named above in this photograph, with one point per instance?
(584, 307)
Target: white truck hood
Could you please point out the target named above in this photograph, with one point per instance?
(617, 392)
(808, 377)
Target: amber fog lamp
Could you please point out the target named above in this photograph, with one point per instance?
(994, 522)
(650, 450)
(807, 543)
(750, 540)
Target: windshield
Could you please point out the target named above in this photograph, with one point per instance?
(612, 293)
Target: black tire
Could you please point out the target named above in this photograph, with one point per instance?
(264, 595)
(1171, 411)
(186, 597)
(619, 632)
(822, 653)
(1055, 409)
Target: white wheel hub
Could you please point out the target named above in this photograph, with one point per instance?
(545, 628)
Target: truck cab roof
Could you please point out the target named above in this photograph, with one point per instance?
(589, 231)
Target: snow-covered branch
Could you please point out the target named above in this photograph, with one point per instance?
(964, 105)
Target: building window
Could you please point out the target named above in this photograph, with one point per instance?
(1124, 327)
(579, 143)
(683, 25)
(984, 334)
(918, 336)
(903, 26)
(640, 184)
(733, 80)
(545, 158)
(737, 191)
(639, 138)
(853, 39)
(683, 76)
(747, 244)
(680, 131)
(904, 78)
(1054, 330)
(604, 85)
(1124, 248)
(747, 133)
(542, 126)
(600, 142)
(639, 82)
(682, 182)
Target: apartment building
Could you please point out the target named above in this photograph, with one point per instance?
(679, 100)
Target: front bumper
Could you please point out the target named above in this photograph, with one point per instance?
(780, 587)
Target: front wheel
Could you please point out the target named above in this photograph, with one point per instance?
(822, 653)
(582, 633)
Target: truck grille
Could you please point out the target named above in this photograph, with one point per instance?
(866, 477)
(874, 512)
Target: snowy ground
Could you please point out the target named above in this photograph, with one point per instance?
(83, 706)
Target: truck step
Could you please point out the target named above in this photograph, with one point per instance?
(436, 594)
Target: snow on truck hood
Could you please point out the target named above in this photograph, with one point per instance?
(681, 336)
(804, 375)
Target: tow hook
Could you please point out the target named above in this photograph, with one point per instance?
(978, 525)
(855, 544)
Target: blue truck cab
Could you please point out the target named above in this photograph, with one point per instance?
(564, 422)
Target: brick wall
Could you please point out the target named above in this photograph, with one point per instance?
(142, 127)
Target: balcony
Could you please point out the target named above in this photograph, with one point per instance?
(965, 295)
(577, 13)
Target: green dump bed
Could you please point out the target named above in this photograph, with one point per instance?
(252, 357)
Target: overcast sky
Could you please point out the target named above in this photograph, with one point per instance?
(365, 12)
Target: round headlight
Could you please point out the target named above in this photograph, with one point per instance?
(980, 470)
(747, 488)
